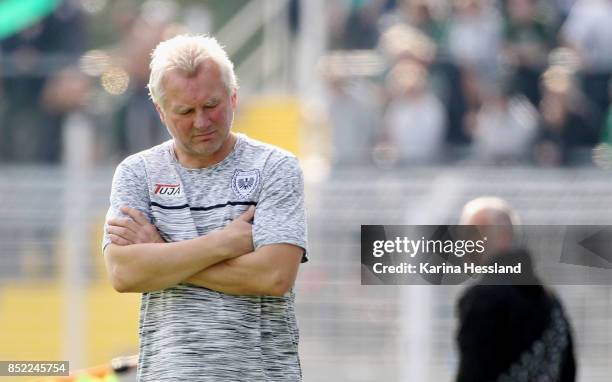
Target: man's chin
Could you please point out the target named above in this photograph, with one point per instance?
(204, 149)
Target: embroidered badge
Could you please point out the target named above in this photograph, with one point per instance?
(245, 182)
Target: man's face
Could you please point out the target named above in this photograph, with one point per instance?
(198, 111)
(498, 234)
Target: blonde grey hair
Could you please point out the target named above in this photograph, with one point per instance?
(498, 211)
(186, 53)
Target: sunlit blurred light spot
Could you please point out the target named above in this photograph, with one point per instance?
(94, 62)
(602, 156)
(557, 79)
(93, 6)
(115, 80)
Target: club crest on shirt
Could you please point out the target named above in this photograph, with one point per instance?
(245, 182)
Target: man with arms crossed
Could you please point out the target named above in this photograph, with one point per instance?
(210, 228)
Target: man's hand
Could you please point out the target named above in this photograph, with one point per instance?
(237, 236)
(133, 230)
(137, 263)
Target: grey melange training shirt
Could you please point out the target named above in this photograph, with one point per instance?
(190, 333)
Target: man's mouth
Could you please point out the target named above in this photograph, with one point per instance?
(205, 136)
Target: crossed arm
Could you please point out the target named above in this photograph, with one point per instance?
(270, 270)
(138, 260)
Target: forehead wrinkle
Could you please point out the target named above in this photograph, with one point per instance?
(187, 88)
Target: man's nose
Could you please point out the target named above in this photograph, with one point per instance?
(201, 119)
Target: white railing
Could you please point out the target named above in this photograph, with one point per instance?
(266, 66)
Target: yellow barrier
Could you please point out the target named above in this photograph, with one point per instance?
(32, 322)
(274, 120)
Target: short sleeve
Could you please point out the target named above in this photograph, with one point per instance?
(280, 216)
(130, 189)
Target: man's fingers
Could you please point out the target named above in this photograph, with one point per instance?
(125, 223)
(135, 214)
(248, 215)
(122, 232)
(118, 240)
(135, 228)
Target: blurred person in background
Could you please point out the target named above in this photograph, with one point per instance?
(474, 37)
(474, 41)
(415, 119)
(503, 129)
(529, 35)
(36, 89)
(419, 14)
(217, 286)
(568, 120)
(507, 331)
(563, 7)
(66, 91)
(427, 42)
(354, 24)
(136, 124)
(588, 30)
(354, 114)
(607, 133)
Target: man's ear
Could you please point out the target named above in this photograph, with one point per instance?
(160, 111)
(234, 98)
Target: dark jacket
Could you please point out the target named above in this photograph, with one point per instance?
(510, 330)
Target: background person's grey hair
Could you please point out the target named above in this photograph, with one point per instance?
(499, 210)
(495, 219)
(186, 53)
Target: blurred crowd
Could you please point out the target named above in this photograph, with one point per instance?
(486, 81)
(85, 58)
(409, 81)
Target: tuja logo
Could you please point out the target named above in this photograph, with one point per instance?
(167, 189)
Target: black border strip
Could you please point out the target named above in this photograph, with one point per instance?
(207, 208)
